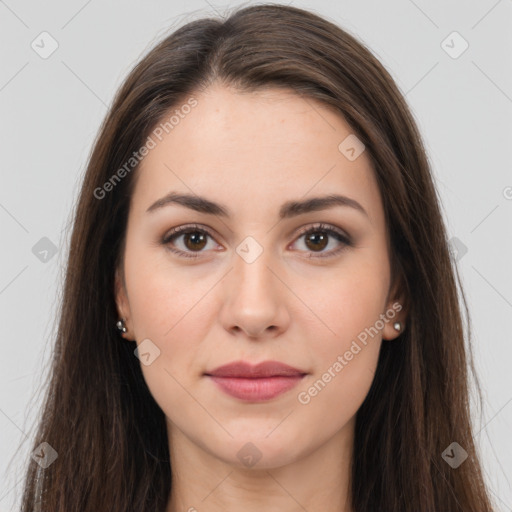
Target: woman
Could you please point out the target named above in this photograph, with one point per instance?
(260, 310)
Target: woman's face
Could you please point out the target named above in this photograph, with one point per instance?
(250, 285)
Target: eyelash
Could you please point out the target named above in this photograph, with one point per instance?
(325, 228)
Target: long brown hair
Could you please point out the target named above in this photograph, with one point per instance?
(98, 413)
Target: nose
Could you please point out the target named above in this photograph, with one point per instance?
(255, 299)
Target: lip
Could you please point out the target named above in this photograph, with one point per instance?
(256, 383)
(241, 369)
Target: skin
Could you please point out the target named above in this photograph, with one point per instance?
(252, 152)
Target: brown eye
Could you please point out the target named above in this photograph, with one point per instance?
(317, 238)
(316, 241)
(194, 240)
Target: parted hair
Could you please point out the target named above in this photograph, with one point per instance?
(98, 413)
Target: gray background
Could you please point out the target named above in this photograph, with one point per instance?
(51, 110)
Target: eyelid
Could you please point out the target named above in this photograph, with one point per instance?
(322, 226)
(341, 236)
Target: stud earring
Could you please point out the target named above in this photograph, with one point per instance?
(397, 326)
(121, 326)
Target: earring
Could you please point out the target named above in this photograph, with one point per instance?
(121, 326)
(397, 326)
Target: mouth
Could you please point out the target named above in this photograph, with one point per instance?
(256, 383)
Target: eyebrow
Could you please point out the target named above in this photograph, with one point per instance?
(287, 210)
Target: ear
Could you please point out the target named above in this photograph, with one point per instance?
(396, 311)
(123, 306)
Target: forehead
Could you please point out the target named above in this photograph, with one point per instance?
(254, 151)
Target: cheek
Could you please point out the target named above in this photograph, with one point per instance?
(163, 297)
(166, 308)
(348, 308)
(346, 359)
(348, 304)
